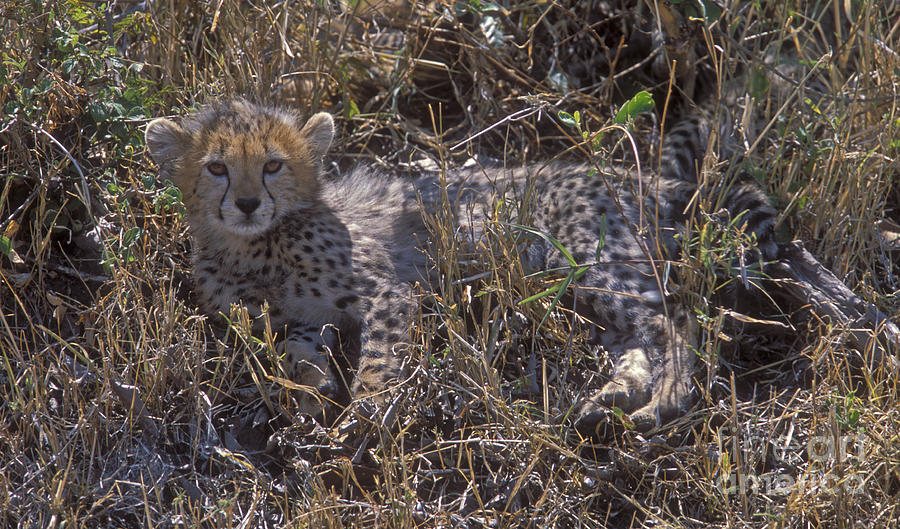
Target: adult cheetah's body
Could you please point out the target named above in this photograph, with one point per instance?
(342, 253)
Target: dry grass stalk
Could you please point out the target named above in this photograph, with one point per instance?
(96, 316)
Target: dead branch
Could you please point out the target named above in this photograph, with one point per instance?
(866, 328)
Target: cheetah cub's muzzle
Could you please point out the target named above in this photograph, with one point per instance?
(247, 206)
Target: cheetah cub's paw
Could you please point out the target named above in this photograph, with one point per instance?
(306, 358)
(650, 388)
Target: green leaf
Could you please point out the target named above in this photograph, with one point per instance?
(108, 261)
(626, 421)
(759, 84)
(556, 244)
(701, 10)
(68, 65)
(350, 110)
(434, 361)
(562, 285)
(575, 272)
(130, 236)
(567, 119)
(5, 245)
(641, 103)
(173, 194)
(602, 237)
(116, 109)
(711, 11)
(98, 112)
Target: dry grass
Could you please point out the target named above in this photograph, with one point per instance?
(122, 407)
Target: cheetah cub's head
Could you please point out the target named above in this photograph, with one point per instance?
(241, 166)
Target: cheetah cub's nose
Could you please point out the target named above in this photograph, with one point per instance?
(247, 205)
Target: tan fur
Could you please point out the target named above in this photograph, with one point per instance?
(334, 259)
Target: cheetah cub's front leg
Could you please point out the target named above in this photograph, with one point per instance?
(387, 318)
(383, 320)
(306, 354)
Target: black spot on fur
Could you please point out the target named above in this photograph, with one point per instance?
(343, 302)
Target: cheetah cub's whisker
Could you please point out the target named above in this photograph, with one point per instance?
(335, 259)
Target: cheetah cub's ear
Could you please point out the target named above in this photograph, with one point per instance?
(318, 131)
(165, 140)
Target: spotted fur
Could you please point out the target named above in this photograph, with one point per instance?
(335, 259)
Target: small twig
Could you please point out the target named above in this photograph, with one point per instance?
(130, 397)
(22, 207)
(85, 193)
(515, 116)
(10, 124)
(790, 98)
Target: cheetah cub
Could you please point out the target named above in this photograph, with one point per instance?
(335, 259)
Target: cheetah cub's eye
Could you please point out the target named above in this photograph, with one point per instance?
(217, 168)
(272, 166)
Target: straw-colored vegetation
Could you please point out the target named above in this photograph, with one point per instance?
(122, 406)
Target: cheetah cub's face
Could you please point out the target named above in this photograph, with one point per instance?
(239, 166)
